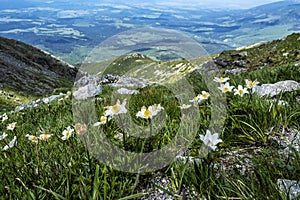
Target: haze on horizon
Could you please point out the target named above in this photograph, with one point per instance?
(230, 4)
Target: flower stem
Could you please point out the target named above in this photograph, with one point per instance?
(150, 127)
(250, 98)
(124, 132)
(88, 155)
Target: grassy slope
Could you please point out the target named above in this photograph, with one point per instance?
(64, 170)
(269, 54)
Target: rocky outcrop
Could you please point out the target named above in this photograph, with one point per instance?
(277, 88)
(38, 102)
(89, 86)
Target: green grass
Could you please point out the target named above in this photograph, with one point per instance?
(57, 169)
(10, 99)
(64, 169)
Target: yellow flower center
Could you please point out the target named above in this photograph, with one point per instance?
(147, 113)
(205, 96)
(251, 84)
(196, 98)
(68, 134)
(32, 137)
(222, 79)
(241, 91)
(226, 89)
(103, 119)
(116, 108)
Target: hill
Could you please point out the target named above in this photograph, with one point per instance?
(29, 70)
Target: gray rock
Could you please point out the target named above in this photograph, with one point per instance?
(235, 71)
(127, 91)
(87, 79)
(287, 138)
(291, 188)
(153, 192)
(109, 78)
(90, 85)
(243, 53)
(125, 81)
(277, 88)
(87, 91)
(38, 102)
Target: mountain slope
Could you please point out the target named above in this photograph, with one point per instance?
(280, 52)
(29, 70)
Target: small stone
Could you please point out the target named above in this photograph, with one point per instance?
(291, 188)
(235, 71)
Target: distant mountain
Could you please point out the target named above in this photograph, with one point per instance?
(283, 12)
(29, 70)
(71, 30)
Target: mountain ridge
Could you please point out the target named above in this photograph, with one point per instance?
(30, 70)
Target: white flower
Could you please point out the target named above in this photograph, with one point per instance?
(116, 109)
(10, 144)
(4, 117)
(32, 138)
(4, 135)
(156, 108)
(184, 106)
(200, 97)
(67, 133)
(150, 112)
(103, 120)
(204, 95)
(11, 126)
(240, 91)
(44, 137)
(210, 140)
(196, 99)
(226, 87)
(221, 79)
(251, 84)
